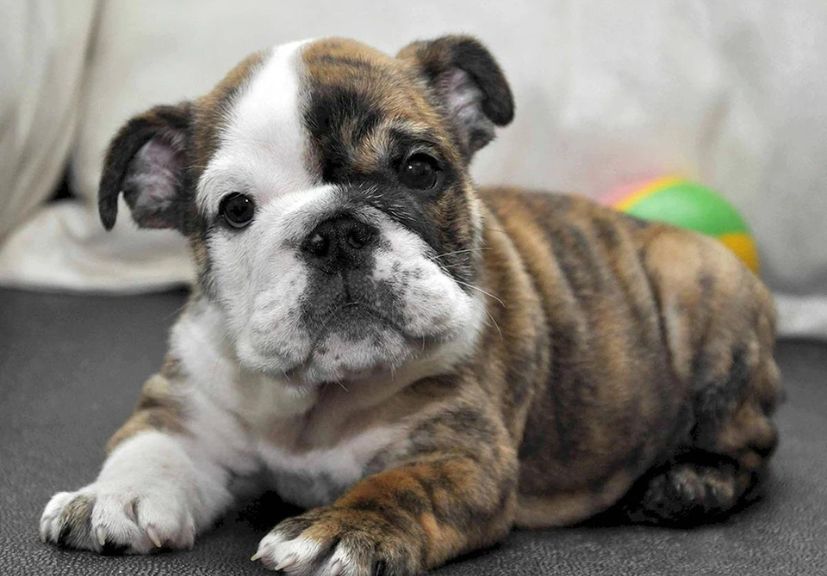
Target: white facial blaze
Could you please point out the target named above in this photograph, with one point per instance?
(263, 143)
(261, 154)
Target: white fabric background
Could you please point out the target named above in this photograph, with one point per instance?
(42, 48)
(732, 94)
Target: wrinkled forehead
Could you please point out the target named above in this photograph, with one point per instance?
(348, 76)
(292, 117)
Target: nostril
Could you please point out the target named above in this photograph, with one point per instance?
(359, 236)
(338, 241)
(318, 245)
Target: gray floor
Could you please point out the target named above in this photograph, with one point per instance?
(71, 368)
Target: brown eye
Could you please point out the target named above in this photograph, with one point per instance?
(419, 172)
(237, 209)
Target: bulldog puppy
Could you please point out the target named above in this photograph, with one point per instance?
(421, 364)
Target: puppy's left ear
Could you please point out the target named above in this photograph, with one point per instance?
(147, 160)
(469, 85)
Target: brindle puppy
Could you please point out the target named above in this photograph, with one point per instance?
(422, 364)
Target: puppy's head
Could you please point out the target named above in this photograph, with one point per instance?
(324, 188)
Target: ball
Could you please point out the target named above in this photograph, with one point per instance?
(689, 205)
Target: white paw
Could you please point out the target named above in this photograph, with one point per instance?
(117, 518)
(340, 542)
(296, 557)
(304, 556)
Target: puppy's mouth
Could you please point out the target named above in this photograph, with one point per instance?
(351, 306)
(352, 319)
(356, 340)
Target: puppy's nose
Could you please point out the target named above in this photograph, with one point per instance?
(338, 243)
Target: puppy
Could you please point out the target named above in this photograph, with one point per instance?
(421, 364)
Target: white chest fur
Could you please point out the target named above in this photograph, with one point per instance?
(318, 476)
(234, 415)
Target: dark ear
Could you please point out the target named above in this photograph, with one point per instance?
(146, 161)
(468, 83)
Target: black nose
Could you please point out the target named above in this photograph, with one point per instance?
(338, 243)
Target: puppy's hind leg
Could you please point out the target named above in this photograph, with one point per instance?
(686, 492)
(726, 456)
(719, 322)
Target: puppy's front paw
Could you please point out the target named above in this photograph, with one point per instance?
(118, 519)
(340, 542)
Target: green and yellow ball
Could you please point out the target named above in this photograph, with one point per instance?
(689, 205)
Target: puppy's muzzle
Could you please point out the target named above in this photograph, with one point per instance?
(339, 244)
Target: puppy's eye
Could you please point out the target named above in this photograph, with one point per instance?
(237, 209)
(420, 171)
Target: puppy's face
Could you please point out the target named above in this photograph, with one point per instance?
(324, 188)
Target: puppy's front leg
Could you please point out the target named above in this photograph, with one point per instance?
(404, 520)
(156, 489)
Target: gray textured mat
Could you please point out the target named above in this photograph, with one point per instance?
(70, 370)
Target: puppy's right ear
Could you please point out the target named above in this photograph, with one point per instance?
(147, 161)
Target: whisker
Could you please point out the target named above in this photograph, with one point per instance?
(444, 254)
(478, 289)
(497, 326)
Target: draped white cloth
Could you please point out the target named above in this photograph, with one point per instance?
(731, 94)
